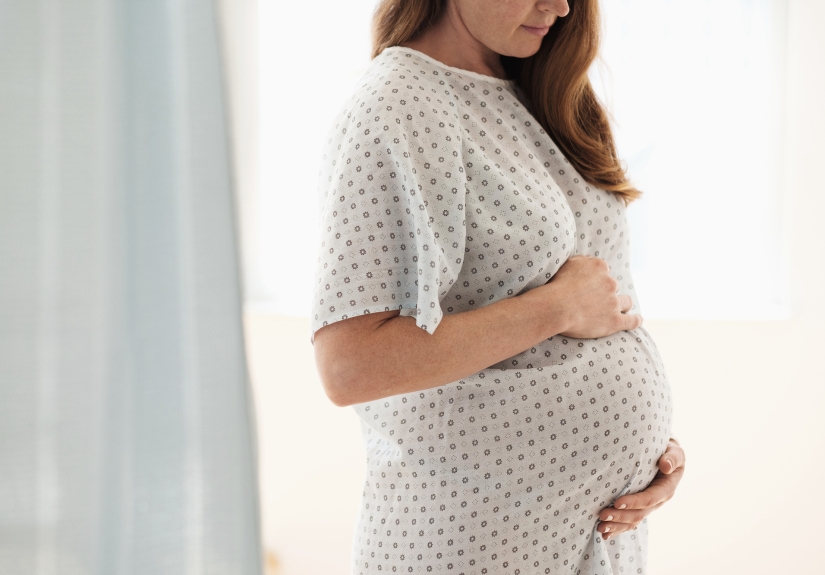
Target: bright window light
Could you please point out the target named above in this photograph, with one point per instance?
(695, 92)
(311, 56)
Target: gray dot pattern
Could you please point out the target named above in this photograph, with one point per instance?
(440, 194)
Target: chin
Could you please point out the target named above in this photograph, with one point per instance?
(524, 51)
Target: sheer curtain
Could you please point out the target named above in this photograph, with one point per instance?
(126, 436)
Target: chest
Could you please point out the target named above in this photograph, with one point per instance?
(519, 226)
(527, 210)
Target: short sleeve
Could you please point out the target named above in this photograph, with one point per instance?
(392, 187)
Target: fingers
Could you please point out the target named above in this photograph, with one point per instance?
(610, 530)
(660, 490)
(628, 511)
(624, 516)
(672, 459)
(621, 521)
(630, 321)
(613, 520)
(611, 516)
(625, 303)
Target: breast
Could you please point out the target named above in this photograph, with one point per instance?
(517, 236)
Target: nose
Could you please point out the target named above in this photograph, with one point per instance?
(558, 7)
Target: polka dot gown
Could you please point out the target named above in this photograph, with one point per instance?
(440, 194)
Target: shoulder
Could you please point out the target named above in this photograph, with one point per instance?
(398, 116)
(405, 89)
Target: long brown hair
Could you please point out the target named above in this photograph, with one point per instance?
(554, 79)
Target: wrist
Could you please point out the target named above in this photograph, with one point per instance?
(548, 306)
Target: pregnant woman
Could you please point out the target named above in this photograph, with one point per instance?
(474, 301)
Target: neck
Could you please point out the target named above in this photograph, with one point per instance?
(450, 42)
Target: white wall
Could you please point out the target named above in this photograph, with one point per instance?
(750, 402)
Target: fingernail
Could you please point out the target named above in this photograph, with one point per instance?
(609, 518)
(607, 530)
(622, 506)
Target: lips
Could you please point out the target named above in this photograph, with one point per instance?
(537, 30)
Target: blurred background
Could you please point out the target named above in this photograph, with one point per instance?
(158, 223)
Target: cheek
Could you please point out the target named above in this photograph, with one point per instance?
(502, 31)
(495, 22)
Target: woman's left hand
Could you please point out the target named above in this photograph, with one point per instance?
(629, 510)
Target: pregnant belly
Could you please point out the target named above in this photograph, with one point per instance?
(609, 406)
(586, 421)
(528, 454)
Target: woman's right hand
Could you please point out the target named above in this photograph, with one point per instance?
(588, 294)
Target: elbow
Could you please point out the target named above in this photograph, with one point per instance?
(338, 392)
(341, 389)
(340, 358)
(348, 388)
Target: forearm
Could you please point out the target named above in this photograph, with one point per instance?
(394, 356)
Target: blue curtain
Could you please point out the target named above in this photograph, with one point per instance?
(126, 423)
